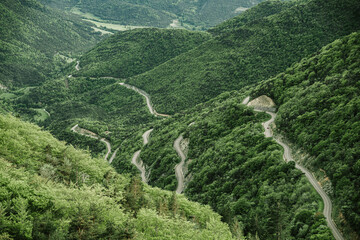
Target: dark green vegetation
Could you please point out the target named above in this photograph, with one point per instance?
(133, 52)
(33, 38)
(236, 170)
(49, 190)
(232, 166)
(160, 13)
(319, 110)
(101, 104)
(254, 46)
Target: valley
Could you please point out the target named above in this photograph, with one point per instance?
(121, 120)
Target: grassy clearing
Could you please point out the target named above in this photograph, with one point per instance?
(113, 26)
(103, 32)
(101, 23)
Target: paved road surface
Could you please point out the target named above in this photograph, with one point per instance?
(146, 136)
(147, 97)
(77, 67)
(113, 156)
(178, 168)
(136, 157)
(140, 165)
(90, 134)
(287, 157)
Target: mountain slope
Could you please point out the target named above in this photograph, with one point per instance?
(319, 101)
(133, 52)
(255, 46)
(159, 13)
(231, 166)
(31, 38)
(51, 190)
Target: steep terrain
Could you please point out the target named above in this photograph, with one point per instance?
(252, 47)
(35, 40)
(318, 99)
(133, 52)
(319, 111)
(51, 190)
(211, 147)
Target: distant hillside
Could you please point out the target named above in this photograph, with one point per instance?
(319, 101)
(160, 13)
(252, 47)
(31, 39)
(133, 52)
(51, 190)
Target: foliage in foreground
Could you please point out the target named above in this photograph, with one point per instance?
(51, 190)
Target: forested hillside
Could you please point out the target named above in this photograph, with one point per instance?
(235, 169)
(319, 101)
(133, 52)
(252, 47)
(304, 54)
(33, 38)
(160, 13)
(51, 190)
(101, 104)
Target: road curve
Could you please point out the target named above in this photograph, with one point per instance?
(140, 165)
(178, 168)
(90, 134)
(287, 157)
(77, 67)
(147, 97)
(113, 155)
(146, 136)
(136, 157)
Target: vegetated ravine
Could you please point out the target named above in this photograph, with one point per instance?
(179, 167)
(287, 157)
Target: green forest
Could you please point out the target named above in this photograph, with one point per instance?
(200, 14)
(319, 108)
(57, 74)
(34, 41)
(50, 190)
(252, 47)
(130, 53)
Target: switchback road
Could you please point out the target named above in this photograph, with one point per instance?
(179, 167)
(287, 157)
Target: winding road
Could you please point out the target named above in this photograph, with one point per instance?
(90, 134)
(77, 67)
(287, 157)
(146, 136)
(147, 97)
(139, 164)
(179, 167)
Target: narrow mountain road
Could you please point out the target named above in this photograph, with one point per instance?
(77, 67)
(140, 165)
(136, 157)
(287, 157)
(179, 167)
(146, 136)
(113, 156)
(90, 134)
(147, 97)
